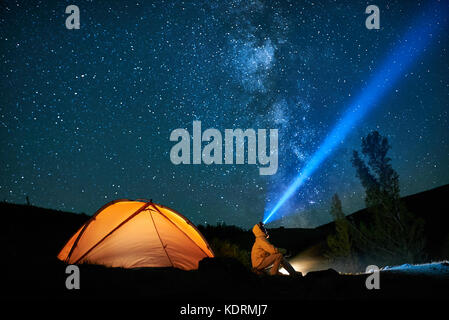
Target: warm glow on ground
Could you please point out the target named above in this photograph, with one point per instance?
(310, 259)
(302, 265)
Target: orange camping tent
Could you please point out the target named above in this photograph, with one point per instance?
(132, 234)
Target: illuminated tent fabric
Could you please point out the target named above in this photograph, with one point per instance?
(132, 234)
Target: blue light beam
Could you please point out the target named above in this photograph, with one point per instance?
(412, 44)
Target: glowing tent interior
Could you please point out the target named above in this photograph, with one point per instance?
(133, 234)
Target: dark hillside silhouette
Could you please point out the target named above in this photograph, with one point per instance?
(432, 206)
(30, 231)
(44, 231)
(32, 237)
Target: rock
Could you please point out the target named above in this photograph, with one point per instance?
(329, 273)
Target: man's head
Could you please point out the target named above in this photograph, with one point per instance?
(262, 227)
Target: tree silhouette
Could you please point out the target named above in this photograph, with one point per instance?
(392, 234)
(340, 244)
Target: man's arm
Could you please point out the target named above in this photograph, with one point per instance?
(267, 246)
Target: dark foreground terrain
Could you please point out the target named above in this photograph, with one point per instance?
(32, 237)
(219, 280)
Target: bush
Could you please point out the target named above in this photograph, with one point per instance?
(224, 248)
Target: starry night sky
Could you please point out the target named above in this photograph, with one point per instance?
(86, 115)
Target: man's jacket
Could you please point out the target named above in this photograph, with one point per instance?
(261, 248)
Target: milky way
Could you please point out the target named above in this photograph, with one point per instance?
(86, 114)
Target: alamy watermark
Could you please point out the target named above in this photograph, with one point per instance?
(73, 20)
(73, 280)
(373, 280)
(373, 20)
(212, 152)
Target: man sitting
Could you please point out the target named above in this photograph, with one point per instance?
(264, 254)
